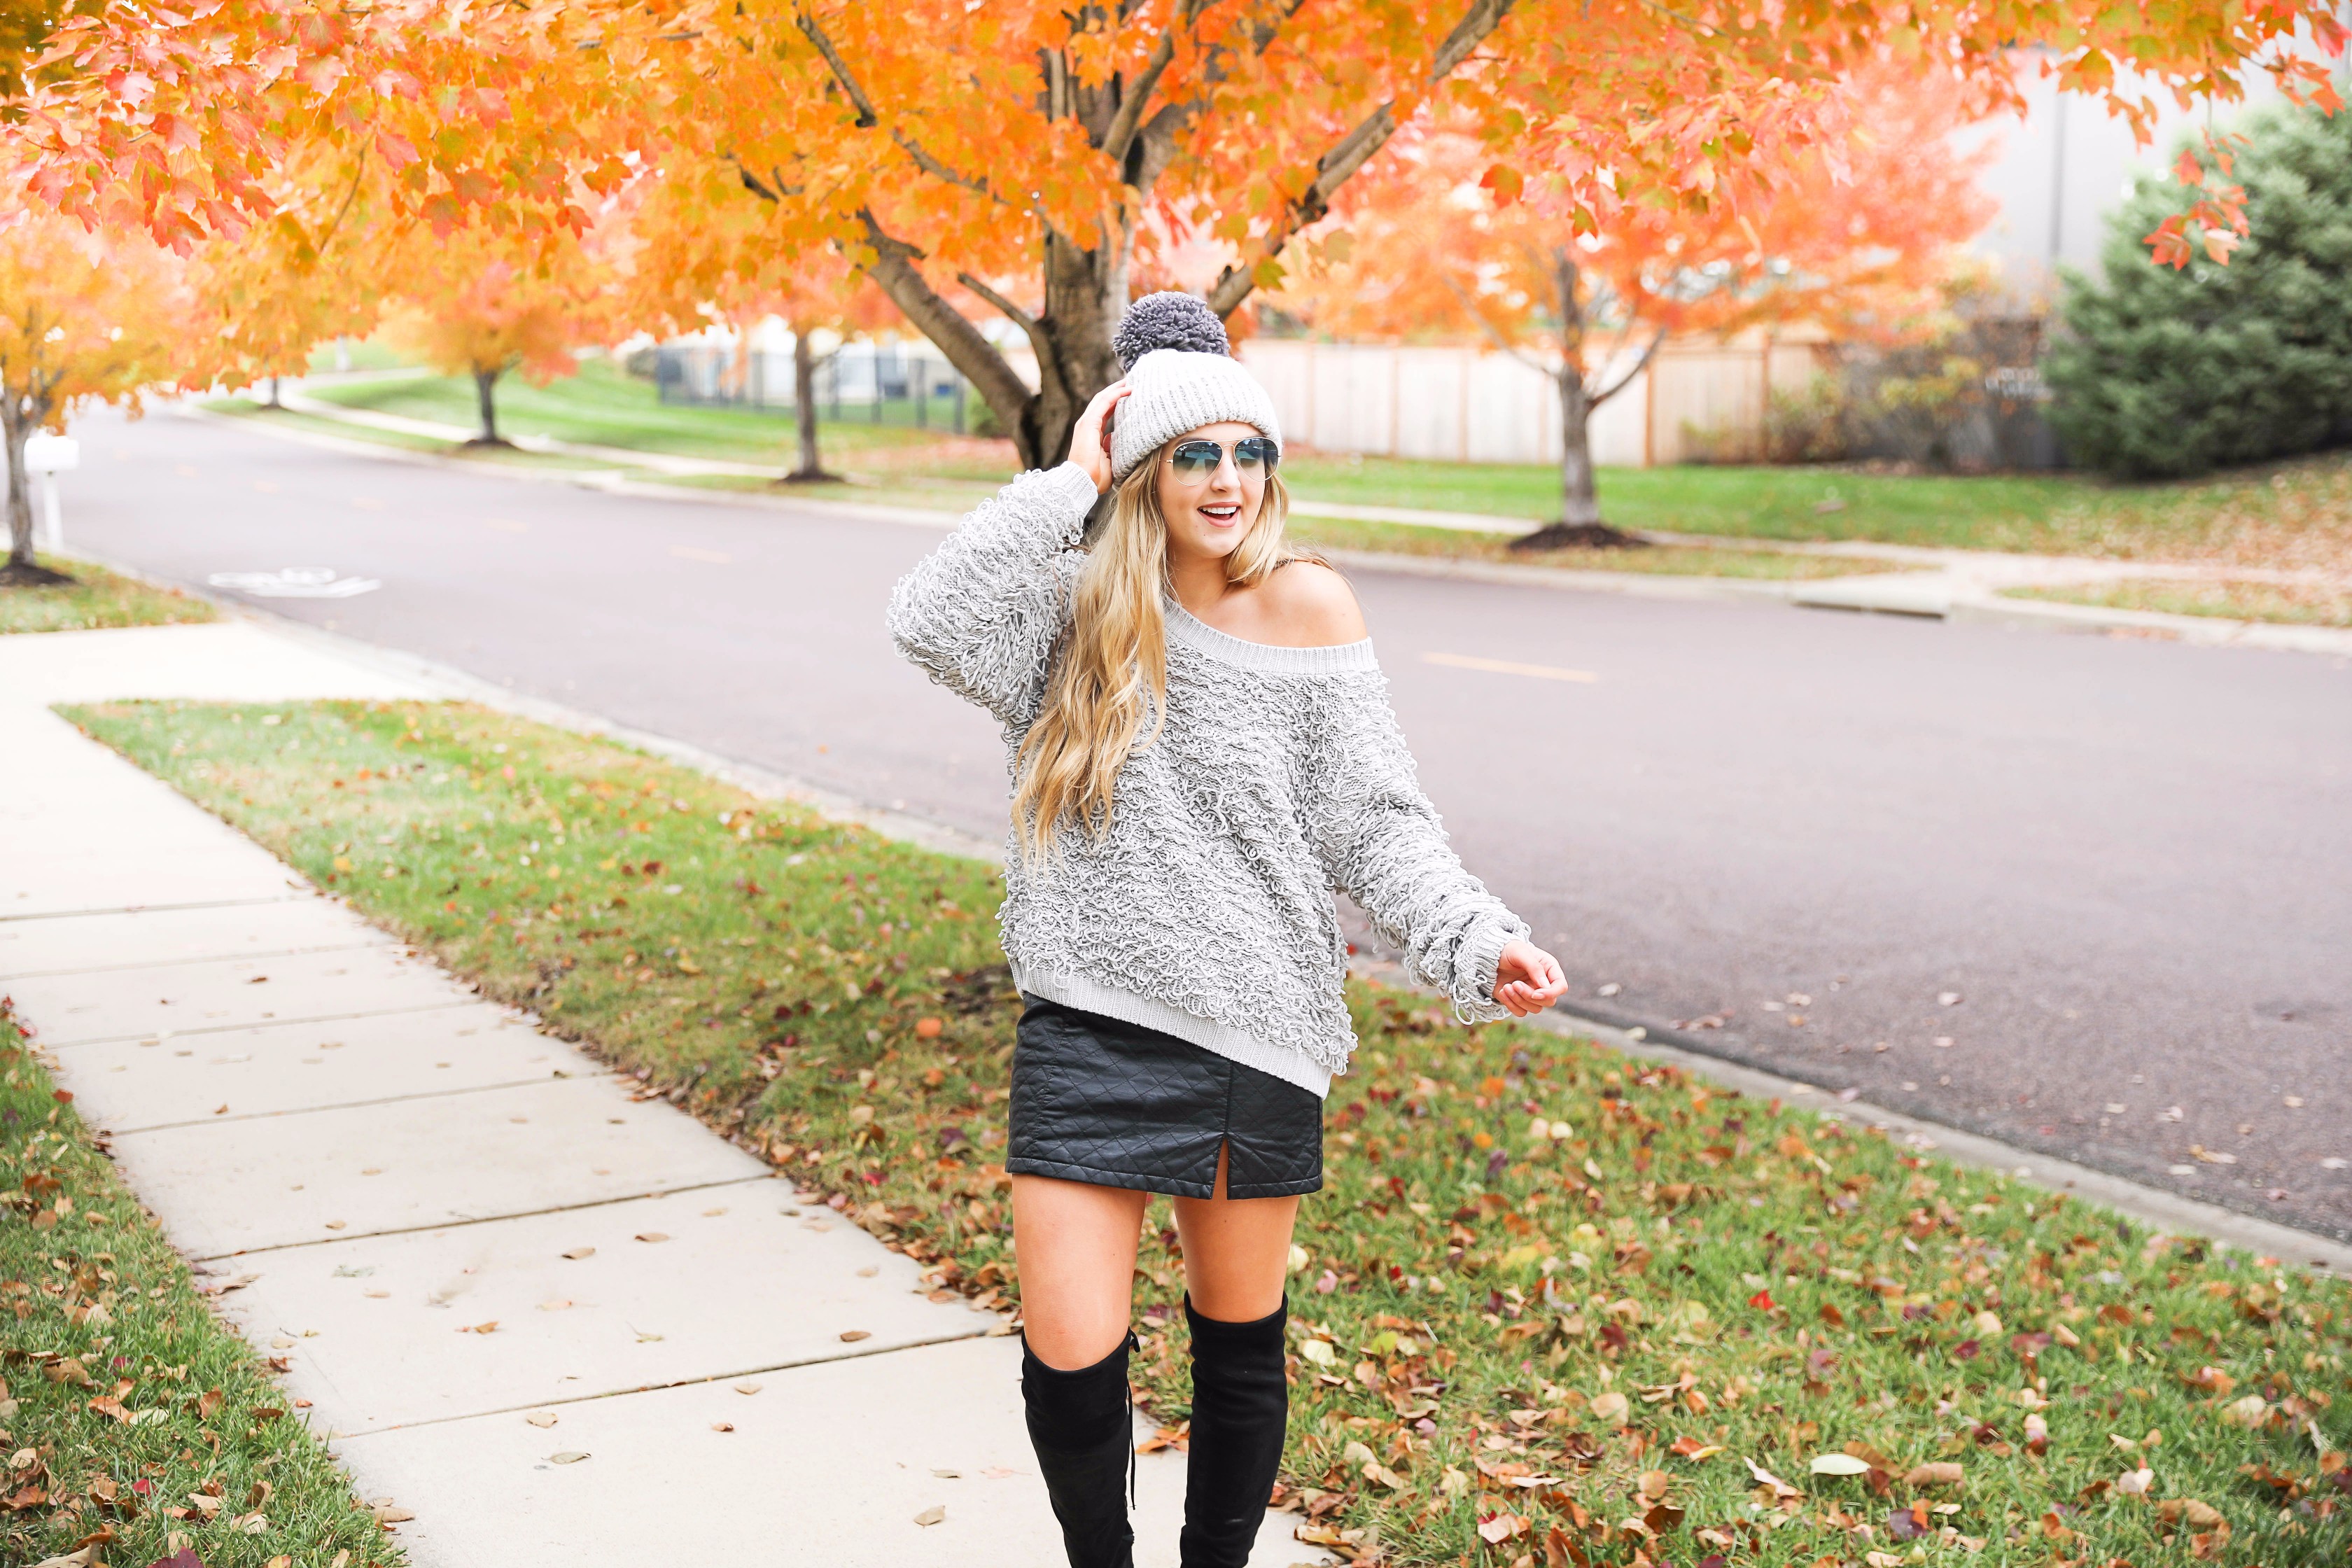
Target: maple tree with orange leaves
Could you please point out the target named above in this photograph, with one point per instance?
(701, 258)
(84, 317)
(1036, 155)
(482, 304)
(1862, 237)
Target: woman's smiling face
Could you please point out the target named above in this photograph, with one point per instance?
(1208, 515)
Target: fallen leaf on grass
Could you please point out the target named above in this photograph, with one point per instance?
(1691, 1448)
(2135, 1483)
(1764, 1478)
(1943, 1474)
(1501, 1528)
(2189, 1511)
(1612, 1407)
(1908, 1523)
(1840, 1465)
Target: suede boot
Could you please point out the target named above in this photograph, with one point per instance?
(1082, 1425)
(1240, 1403)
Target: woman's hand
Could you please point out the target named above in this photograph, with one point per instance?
(1090, 442)
(1527, 979)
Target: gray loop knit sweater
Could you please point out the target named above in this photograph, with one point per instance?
(1278, 775)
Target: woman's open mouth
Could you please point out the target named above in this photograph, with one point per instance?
(1221, 514)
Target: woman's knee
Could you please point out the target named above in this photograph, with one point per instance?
(1074, 1248)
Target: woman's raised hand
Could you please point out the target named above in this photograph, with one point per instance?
(1527, 979)
(1090, 442)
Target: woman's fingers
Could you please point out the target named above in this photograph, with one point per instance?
(1527, 979)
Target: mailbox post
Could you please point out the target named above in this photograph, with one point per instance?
(49, 456)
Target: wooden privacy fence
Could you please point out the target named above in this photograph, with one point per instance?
(1462, 404)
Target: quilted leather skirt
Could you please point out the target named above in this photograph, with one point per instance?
(1119, 1105)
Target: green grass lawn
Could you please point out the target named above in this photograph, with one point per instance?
(602, 406)
(2290, 603)
(2294, 513)
(2291, 513)
(1556, 1306)
(133, 1422)
(96, 599)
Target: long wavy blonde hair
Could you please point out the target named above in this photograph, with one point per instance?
(1110, 683)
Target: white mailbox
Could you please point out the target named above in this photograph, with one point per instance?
(48, 453)
(49, 456)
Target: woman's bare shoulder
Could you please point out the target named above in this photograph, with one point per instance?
(1312, 605)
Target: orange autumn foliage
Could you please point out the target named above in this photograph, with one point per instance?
(1862, 237)
(84, 317)
(1031, 154)
(480, 304)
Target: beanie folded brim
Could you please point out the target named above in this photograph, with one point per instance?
(1172, 391)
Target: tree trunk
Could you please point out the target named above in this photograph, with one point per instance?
(1085, 294)
(484, 380)
(1580, 526)
(19, 417)
(811, 464)
(15, 424)
(273, 401)
(1579, 502)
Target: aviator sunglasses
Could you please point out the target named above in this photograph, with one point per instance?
(1194, 462)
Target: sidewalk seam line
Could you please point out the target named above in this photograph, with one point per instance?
(158, 909)
(859, 1355)
(383, 942)
(359, 1104)
(258, 1023)
(485, 1219)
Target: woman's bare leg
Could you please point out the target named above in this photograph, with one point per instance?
(1074, 1245)
(1237, 1251)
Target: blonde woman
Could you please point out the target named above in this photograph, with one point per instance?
(1201, 752)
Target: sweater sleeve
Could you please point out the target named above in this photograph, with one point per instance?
(981, 613)
(1382, 843)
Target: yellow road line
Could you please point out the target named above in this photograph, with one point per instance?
(1505, 667)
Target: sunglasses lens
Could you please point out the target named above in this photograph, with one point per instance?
(1256, 456)
(1197, 459)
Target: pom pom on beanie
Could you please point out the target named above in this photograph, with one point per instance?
(1181, 375)
(1169, 321)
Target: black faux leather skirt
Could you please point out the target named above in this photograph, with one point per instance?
(1119, 1105)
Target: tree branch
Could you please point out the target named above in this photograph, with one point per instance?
(869, 117)
(1353, 151)
(893, 267)
(1595, 399)
(1038, 340)
(1492, 330)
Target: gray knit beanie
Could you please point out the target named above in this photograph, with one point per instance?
(1181, 375)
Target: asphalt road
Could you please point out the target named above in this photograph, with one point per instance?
(2091, 894)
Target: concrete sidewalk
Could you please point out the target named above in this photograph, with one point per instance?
(556, 1322)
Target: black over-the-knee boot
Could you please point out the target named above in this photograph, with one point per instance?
(1082, 1425)
(1241, 1402)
